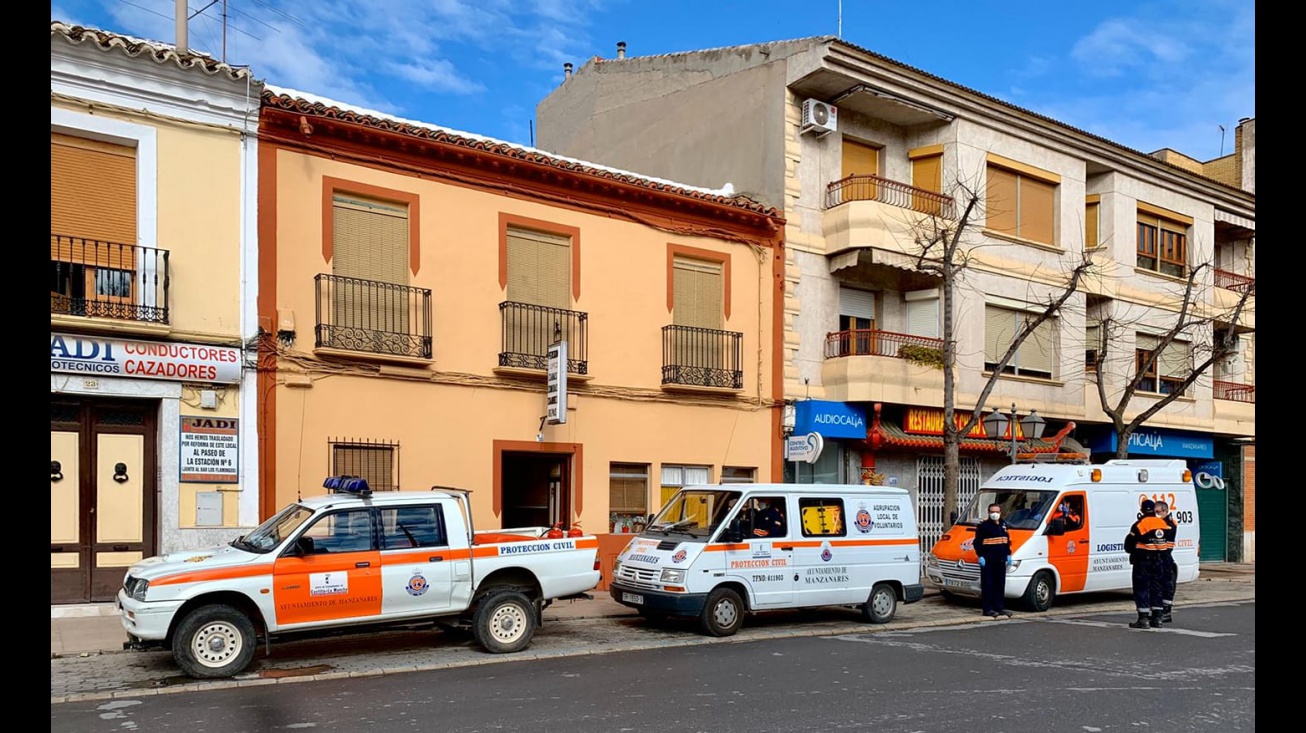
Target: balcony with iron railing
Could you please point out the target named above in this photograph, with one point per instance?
(372, 317)
(97, 279)
(529, 330)
(702, 358)
(869, 365)
(888, 191)
(1235, 392)
(1233, 281)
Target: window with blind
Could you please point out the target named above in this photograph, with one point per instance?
(628, 488)
(1162, 244)
(922, 310)
(539, 274)
(1166, 373)
(93, 235)
(927, 175)
(860, 159)
(857, 321)
(699, 293)
(1036, 355)
(376, 462)
(1092, 224)
(674, 477)
(370, 250)
(737, 475)
(1092, 345)
(1020, 205)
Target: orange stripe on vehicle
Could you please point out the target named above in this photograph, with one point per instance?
(816, 543)
(196, 576)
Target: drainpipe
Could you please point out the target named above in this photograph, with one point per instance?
(183, 43)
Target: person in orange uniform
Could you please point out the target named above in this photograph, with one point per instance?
(1169, 568)
(1146, 544)
(1068, 513)
(993, 545)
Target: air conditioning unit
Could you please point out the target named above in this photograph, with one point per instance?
(819, 117)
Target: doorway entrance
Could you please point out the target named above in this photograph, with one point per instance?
(103, 470)
(536, 489)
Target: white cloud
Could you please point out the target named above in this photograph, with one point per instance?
(438, 75)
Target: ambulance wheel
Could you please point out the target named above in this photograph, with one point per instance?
(723, 614)
(1042, 589)
(213, 642)
(881, 605)
(504, 622)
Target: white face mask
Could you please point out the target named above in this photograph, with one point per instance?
(994, 516)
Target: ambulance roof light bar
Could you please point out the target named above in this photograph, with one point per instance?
(1061, 458)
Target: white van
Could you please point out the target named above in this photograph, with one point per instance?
(1083, 551)
(839, 545)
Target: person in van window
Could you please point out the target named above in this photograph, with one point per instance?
(770, 521)
(993, 545)
(1169, 568)
(1066, 511)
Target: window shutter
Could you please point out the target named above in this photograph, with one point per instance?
(699, 294)
(1038, 351)
(860, 159)
(628, 488)
(1176, 360)
(92, 196)
(1037, 210)
(999, 331)
(539, 268)
(927, 173)
(923, 317)
(1146, 341)
(857, 303)
(1000, 201)
(1093, 336)
(371, 240)
(1091, 227)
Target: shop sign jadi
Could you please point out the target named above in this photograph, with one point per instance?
(94, 356)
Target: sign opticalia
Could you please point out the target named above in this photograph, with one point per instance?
(1158, 442)
(111, 357)
(829, 419)
(804, 448)
(557, 391)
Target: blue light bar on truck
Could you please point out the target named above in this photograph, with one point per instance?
(347, 485)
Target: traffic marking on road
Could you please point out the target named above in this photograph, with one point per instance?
(1111, 625)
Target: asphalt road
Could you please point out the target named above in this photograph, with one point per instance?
(1033, 673)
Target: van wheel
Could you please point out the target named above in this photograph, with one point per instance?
(881, 605)
(1041, 591)
(723, 614)
(504, 622)
(214, 642)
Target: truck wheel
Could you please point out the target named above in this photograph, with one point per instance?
(214, 641)
(1042, 589)
(881, 604)
(504, 622)
(723, 614)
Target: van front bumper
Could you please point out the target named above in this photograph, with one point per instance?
(658, 601)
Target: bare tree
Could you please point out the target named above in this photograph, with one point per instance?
(942, 250)
(1195, 324)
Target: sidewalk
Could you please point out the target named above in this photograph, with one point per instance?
(83, 630)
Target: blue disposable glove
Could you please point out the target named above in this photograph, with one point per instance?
(1008, 560)
(981, 562)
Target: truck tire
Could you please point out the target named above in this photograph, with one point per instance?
(213, 642)
(504, 622)
(1040, 592)
(880, 605)
(723, 613)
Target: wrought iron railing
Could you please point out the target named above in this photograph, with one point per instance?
(373, 316)
(1235, 391)
(98, 279)
(1233, 281)
(702, 357)
(893, 193)
(529, 330)
(870, 342)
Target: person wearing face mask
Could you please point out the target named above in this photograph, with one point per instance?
(1145, 543)
(993, 545)
(1169, 568)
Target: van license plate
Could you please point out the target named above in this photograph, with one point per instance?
(632, 598)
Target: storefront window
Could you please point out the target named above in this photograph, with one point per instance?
(627, 497)
(828, 469)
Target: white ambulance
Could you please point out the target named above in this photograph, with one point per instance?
(1067, 520)
(708, 555)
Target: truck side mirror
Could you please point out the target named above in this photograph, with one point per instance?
(1056, 527)
(304, 546)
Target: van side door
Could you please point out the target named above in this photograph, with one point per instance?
(1069, 551)
(764, 559)
(825, 563)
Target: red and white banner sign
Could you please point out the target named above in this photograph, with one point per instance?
(109, 357)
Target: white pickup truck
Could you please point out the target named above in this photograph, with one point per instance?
(352, 558)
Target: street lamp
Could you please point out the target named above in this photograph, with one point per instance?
(995, 425)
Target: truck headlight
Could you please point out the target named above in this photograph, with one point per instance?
(673, 576)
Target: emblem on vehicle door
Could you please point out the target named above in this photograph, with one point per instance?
(417, 584)
(678, 557)
(1070, 546)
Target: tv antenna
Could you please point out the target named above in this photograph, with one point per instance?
(840, 18)
(1221, 140)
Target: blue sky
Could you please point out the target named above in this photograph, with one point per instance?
(1148, 74)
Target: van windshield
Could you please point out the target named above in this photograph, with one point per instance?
(693, 512)
(1021, 508)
